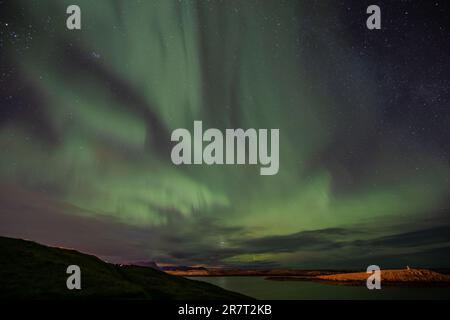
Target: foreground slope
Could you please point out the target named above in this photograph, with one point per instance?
(31, 270)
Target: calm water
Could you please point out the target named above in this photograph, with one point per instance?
(260, 288)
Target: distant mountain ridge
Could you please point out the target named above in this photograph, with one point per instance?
(32, 271)
(183, 268)
(148, 264)
(218, 272)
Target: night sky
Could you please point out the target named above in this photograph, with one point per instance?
(86, 117)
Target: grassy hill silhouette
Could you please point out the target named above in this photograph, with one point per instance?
(32, 271)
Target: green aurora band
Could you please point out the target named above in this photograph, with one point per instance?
(232, 64)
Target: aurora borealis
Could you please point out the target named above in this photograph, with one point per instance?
(364, 169)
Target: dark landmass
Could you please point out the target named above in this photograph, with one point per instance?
(390, 277)
(32, 271)
(148, 264)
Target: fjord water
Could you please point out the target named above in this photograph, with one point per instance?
(260, 288)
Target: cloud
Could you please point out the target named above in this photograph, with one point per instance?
(323, 239)
(430, 236)
(350, 247)
(32, 215)
(199, 239)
